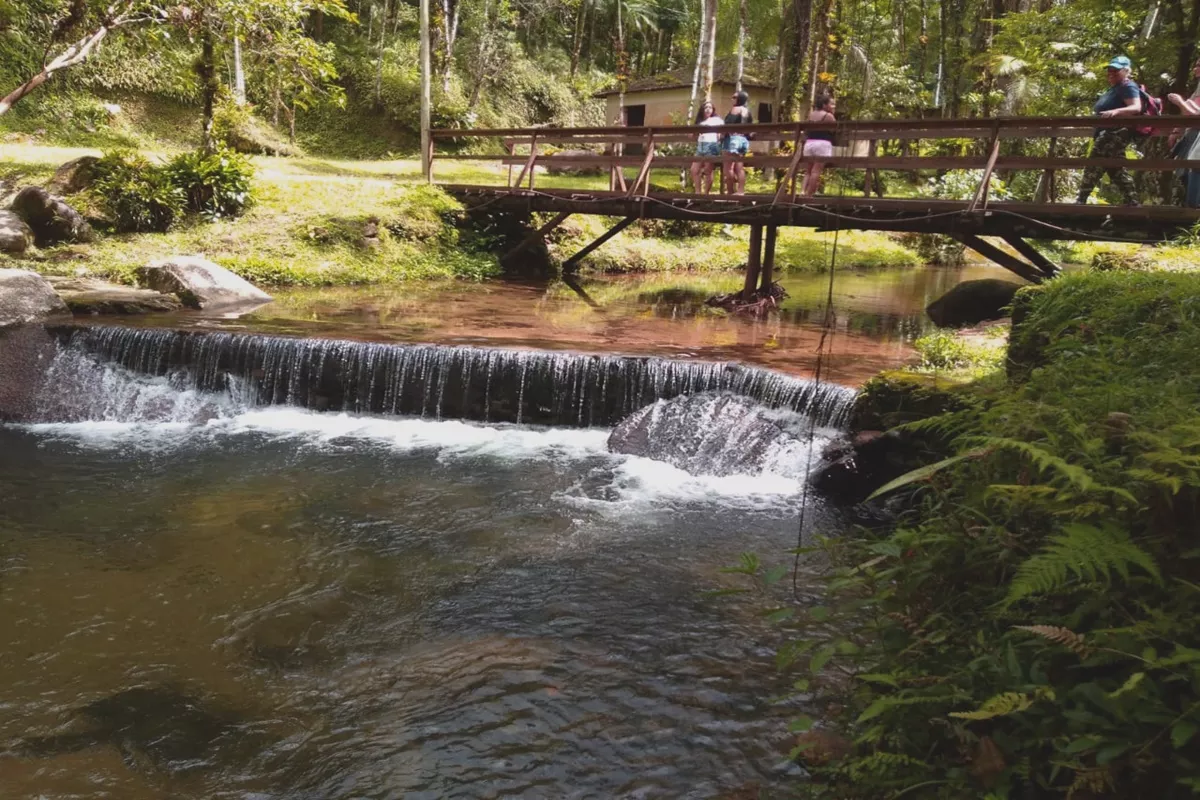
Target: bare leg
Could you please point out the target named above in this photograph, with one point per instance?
(741, 177)
(708, 178)
(697, 170)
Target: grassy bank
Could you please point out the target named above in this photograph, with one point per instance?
(1027, 629)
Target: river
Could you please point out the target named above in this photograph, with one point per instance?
(206, 596)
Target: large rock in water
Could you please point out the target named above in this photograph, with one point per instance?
(710, 434)
(86, 296)
(15, 235)
(26, 297)
(972, 302)
(51, 219)
(200, 283)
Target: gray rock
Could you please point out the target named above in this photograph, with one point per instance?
(52, 220)
(200, 283)
(15, 235)
(710, 434)
(74, 176)
(26, 297)
(972, 302)
(87, 296)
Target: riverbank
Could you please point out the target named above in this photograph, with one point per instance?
(321, 222)
(1026, 627)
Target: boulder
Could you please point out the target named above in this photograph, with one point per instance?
(200, 283)
(26, 297)
(972, 302)
(74, 176)
(85, 296)
(15, 235)
(52, 220)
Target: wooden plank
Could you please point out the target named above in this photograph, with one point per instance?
(529, 164)
(1034, 256)
(787, 187)
(537, 235)
(998, 256)
(644, 172)
(982, 192)
(753, 263)
(571, 263)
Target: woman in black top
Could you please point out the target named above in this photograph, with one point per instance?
(818, 144)
(737, 144)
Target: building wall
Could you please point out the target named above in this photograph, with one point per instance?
(669, 106)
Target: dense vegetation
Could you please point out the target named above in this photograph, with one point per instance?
(1027, 629)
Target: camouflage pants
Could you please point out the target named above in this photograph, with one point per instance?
(1110, 143)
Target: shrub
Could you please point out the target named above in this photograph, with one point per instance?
(215, 185)
(1027, 629)
(138, 195)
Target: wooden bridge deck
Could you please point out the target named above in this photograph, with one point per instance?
(920, 215)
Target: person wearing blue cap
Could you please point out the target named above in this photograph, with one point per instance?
(1122, 99)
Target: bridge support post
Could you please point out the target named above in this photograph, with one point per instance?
(572, 263)
(1033, 255)
(753, 263)
(998, 256)
(768, 260)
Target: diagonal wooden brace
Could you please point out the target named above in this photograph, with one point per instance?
(573, 262)
(536, 235)
(644, 172)
(529, 164)
(998, 256)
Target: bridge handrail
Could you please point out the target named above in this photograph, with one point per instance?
(994, 129)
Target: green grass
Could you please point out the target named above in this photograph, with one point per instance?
(304, 229)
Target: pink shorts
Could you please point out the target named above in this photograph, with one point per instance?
(818, 148)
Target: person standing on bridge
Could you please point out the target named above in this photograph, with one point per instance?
(1123, 99)
(818, 144)
(737, 144)
(709, 144)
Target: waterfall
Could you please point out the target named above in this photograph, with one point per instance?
(453, 382)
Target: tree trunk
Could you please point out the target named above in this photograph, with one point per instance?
(577, 42)
(426, 96)
(622, 67)
(741, 46)
(239, 71)
(796, 32)
(700, 41)
(710, 53)
(818, 47)
(449, 35)
(379, 58)
(77, 53)
(209, 88)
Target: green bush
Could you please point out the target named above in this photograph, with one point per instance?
(946, 350)
(215, 185)
(1027, 630)
(136, 194)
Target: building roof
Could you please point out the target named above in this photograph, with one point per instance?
(724, 71)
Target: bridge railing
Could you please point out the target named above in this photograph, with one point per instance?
(521, 148)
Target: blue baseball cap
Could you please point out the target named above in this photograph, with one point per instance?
(1120, 62)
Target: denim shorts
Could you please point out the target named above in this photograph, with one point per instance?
(708, 149)
(737, 144)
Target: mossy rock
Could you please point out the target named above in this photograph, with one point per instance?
(1026, 343)
(1137, 261)
(894, 398)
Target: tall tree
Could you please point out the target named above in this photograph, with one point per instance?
(794, 44)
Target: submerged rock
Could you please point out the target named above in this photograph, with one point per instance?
(26, 297)
(15, 236)
(199, 283)
(171, 729)
(710, 434)
(50, 218)
(972, 302)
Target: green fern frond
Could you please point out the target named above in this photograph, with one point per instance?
(1004, 704)
(1043, 459)
(1082, 551)
(1065, 636)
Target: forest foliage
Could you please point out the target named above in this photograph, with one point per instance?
(1027, 629)
(335, 70)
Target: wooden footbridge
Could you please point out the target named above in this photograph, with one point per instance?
(997, 143)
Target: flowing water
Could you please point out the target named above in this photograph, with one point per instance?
(208, 588)
(876, 317)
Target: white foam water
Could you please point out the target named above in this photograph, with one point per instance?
(142, 412)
